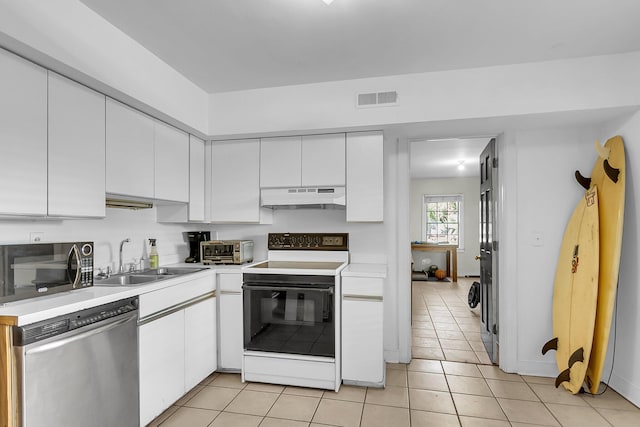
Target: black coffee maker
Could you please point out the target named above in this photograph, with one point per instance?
(194, 238)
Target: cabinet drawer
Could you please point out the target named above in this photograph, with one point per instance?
(159, 300)
(230, 282)
(362, 286)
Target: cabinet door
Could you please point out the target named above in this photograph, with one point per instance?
(171, 148)
(76, 149)
(23, 136)
(235, 181)
(162, 364)
(200, 342)
(196, 179)
(323, 160)
(231, 338)
(362, 340)
(130, 158)
(365, 177)
(280, 162)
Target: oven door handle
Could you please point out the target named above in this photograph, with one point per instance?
(287, 288)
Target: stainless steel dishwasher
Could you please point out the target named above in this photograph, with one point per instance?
(80, 369)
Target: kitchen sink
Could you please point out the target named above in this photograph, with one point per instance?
(146, 276)
(128, 279)
(170, 271)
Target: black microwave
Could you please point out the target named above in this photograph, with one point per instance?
(37, 269)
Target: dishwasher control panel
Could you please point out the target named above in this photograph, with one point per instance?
(23, 335)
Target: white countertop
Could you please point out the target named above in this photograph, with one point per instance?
(365, 270)
(36, 309)
(219, 268)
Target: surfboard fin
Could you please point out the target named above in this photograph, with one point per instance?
(583, 181)
(577, 356)
(552, 344)
(564, 376)
(611, 172)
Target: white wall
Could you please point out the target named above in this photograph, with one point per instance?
(541, 193)
(509, 90)
(625, 331)
(470, 189)
(107, 233)
(547, 194)
(86, 45)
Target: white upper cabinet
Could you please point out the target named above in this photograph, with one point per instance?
(130, 151)
(280, 162)
(194, 211)
(235, 182)
(171, 150)
(196, 179)
(23, 137)
(309, 161)
(365, 177)
(76, 149)
(323, 160)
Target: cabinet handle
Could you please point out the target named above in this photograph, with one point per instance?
(362, 297)
(170, 310)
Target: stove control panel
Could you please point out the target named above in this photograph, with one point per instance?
(309, 241)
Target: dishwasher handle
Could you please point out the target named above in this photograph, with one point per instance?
(81, 333)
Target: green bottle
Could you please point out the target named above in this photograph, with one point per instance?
(154, 260)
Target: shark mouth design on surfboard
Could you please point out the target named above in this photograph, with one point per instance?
(610, 171)
(576, 356)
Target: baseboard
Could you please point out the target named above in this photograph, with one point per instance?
(538, 368)
(629, 391)
(392, 356)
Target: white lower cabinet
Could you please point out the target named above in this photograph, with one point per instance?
(200, 342)
(230, 332)
(362, 331)
(177, 343)
(162, 364)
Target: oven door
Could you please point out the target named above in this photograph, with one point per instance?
(282, 316)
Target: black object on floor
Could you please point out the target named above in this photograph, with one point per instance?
(419, 276)
(474, 295)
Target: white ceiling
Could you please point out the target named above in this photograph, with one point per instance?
(440, 158)
(225, 45)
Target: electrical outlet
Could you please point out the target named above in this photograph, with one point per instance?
(36, 236)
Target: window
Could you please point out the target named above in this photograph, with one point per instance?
(443, 219)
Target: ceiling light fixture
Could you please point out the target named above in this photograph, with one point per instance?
(461, 165)
(327, 1)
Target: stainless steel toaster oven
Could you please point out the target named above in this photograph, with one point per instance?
(226, 251)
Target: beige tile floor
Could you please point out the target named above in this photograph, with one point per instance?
(428, 392)
(443, 325)
(424, 393)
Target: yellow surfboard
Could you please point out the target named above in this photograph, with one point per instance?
(575, 293)
(609, 176)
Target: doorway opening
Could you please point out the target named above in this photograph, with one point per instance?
(445, 236)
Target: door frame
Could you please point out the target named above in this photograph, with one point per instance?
(506, 235)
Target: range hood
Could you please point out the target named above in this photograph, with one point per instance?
(303, 197)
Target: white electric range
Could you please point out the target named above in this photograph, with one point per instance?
(292, 311)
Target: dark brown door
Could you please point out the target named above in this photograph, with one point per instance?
(488, 247)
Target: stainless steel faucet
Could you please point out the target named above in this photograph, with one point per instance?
(121, 268)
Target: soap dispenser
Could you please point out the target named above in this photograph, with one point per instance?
(154, 261)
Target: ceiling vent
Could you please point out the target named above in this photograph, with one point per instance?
(377, 99)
